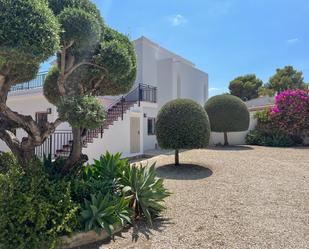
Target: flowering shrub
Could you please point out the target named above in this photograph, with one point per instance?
(290, 115)
(285, 124)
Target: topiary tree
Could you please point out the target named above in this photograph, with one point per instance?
(182, 124)
(92, 60)
(28, 35)
(245, 87)
(227, 113)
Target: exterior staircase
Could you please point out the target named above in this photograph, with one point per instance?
(60, 143)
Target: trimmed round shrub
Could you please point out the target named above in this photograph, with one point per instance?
(182, 124)
(227, 113)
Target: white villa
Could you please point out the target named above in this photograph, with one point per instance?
(129, 129)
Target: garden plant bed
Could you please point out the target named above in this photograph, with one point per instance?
(256, 197)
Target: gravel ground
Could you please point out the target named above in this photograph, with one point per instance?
(239, 197)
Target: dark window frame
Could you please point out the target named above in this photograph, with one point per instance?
(151, 130)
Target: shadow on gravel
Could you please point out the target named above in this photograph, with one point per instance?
(142, 229)
(231, 148)
(183, 172)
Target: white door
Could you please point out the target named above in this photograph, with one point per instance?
(135, 135)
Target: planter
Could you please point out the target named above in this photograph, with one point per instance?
(85, 238)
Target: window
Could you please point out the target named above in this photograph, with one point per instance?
(151, 126)
(41, 118)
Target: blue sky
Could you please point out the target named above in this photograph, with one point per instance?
(225, 38)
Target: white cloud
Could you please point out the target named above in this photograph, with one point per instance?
(293, 40)
(177, 20)
(212, 89)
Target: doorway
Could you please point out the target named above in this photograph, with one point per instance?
(135, 135)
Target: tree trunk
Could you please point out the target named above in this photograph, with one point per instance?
(76, 157)
(176, 157)
(226, 142)
(25, 157)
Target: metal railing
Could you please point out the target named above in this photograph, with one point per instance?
(57, 141)
(32, 84)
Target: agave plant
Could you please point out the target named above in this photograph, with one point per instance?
(103, 212)
(144, 190)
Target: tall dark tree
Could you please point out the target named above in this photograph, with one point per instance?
(245, 87)
(286, 78)
(92, 60)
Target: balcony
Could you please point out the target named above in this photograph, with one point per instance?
(32, 84)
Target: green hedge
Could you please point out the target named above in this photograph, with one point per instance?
(256, 137)
(227, 113)
(182, 124)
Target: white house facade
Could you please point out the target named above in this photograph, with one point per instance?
(161, 76)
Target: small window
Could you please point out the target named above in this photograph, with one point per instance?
(41, 118)
(151, 126)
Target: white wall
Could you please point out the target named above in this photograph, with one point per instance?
(234, 138)
(194, 83)
(151, 111)
(162, 68)
(117, 137)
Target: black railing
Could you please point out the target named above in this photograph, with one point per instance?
(32, 84)
(58, 143)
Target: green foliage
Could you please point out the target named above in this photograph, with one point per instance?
(145, 192)
(7, 161)
(50, 89)
(104, 212)
(82, 111)
(58, 6)
(257, 137)
(245, 87)
(38, 207)
(29, 30)
(138, 184)
(80, 27)
(264, 91)
(34, 210)
(287, 78)
(263, 116)
(182, 124)
(227, 113)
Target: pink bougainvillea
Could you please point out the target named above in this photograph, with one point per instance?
(290, 115)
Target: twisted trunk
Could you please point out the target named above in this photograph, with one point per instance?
(9, 120)
(76, 157)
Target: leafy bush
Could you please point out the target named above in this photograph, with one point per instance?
(38, 207)
(290, 115)
(34, 211)
(256, 137)
(227, 113)
(7, 161)
(182, 124)
(287, 121)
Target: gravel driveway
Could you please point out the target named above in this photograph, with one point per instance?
(240, 197)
